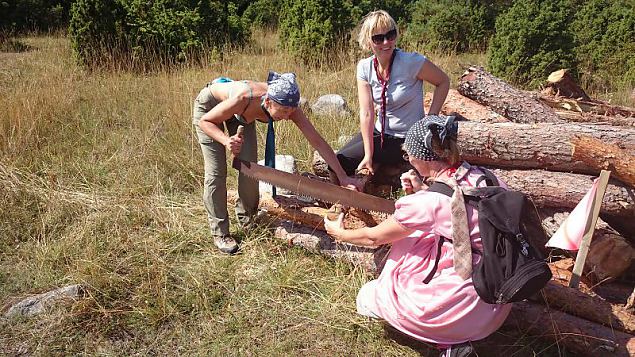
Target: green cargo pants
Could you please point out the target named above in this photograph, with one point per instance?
(215, 159)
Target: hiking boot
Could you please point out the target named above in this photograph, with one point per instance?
(460, 350)
(226, 244)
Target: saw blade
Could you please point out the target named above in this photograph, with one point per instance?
(323, 191)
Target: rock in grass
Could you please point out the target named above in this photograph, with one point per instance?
(37, 304)
(330, 105)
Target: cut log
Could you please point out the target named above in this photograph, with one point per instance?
(558, 294)
(320, 242)
(311, 216)
(604, 156)
(471, 110)
(535, 146)
(583, 337)
(559, 189)
(565, 190)
(516, 105)
(561, 83)
(576, 111)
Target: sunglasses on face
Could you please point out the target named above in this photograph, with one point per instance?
(389, 36)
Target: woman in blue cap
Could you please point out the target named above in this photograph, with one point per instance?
(235, 103)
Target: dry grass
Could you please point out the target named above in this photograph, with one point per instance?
(100, 180)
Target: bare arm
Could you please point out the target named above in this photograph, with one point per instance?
(220, 113)
(432, 74)
(386, 232)
(366, 116)
(316, 140)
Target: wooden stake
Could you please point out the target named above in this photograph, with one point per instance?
(588, 230)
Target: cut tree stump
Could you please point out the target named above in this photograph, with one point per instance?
(605, 156)
(535, 146)
(561, 83)
(516, 105)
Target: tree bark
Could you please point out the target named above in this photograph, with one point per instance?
(604, 156)
(516, 105)
(535, 146)
(558, 294)
(561, 83)
(579, 335)
(565, 190)
(471, 110)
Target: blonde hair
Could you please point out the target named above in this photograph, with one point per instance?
(374, 20)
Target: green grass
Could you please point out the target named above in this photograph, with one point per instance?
(100, 184)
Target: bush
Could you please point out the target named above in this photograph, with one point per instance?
(398, 9)
(310, 29)
(532, 40)
(263, 13)
(454, 26)
(19, 16)
(604, 34)
(142, 33)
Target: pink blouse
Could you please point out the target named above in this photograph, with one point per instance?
(447, 310)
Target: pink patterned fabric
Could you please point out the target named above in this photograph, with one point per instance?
(447, 310)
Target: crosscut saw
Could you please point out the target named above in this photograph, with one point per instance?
(320, 190)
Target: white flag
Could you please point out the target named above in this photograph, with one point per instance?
(571, 231)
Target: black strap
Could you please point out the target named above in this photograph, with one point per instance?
(445, 189)
(488, 176)
(436, 262)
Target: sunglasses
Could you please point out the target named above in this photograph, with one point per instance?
(381, 37)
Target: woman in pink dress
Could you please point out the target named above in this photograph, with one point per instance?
(446, 310)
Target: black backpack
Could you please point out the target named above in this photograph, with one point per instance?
(511, 268)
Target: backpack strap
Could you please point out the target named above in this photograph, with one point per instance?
(436, 262)
(488, 176)
(445, 189)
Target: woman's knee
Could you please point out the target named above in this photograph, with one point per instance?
(366, 300)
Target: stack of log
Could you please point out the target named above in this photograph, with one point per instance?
(550, 146)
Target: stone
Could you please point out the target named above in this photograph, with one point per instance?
(330, 105)
(38, 304)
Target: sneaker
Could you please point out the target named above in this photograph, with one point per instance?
(226, 244)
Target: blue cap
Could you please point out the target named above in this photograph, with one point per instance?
(283, 89)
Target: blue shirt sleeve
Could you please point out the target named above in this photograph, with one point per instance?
(414, 61)
(363, 69)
